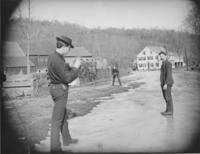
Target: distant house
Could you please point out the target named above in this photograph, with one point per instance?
(14, 59)
(149, 59)
(177, 61)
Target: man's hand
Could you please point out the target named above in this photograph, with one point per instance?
(165, 87)
(77, 63)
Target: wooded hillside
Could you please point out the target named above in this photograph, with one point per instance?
(121, 45)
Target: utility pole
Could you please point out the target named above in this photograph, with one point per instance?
(28, 42)
(186, 59)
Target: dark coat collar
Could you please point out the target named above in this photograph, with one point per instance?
(60, 55)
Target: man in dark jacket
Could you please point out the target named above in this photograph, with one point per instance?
(115, 73)
(60, 75)
(166, 81)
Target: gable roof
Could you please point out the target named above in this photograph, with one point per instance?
(39, 47)
(79, 52)
(46, 47)
(12, 49)
(14, 55)
(174, 54)
(156, 49)
(16, 62)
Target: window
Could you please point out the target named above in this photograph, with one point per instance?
(150, 57)
(142, 58)
(157, 57)
(152, 65)
(142, 65)
(144, 53)
(157, 64)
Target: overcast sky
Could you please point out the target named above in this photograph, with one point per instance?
(164, 14)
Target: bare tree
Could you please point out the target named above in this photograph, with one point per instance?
(180, 42)
(186, 59)
(193, 22)
(28, 31)
(28, 44)
(193, 19)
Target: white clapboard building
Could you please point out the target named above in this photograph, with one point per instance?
(177, 61)
(149, 59)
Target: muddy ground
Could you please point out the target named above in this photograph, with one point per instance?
(30, 116)
(140, 96)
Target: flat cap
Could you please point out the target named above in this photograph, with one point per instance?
(162, 52)
(65, 40)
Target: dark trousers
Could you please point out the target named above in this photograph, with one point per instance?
(59, 122)
(168, 98)
(116, 76)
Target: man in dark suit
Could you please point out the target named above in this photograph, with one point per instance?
(166, 81)
(115, 73)
(60, 75)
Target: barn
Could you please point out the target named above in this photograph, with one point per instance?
(41, 49)
(14, 59)
(39, 52)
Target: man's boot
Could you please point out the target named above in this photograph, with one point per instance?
(169, 113)
(169, 109)
(70, 141)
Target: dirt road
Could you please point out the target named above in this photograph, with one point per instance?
(131, 121)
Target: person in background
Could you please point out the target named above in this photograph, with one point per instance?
(115, 74)
(166, 82)
(60, 75)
